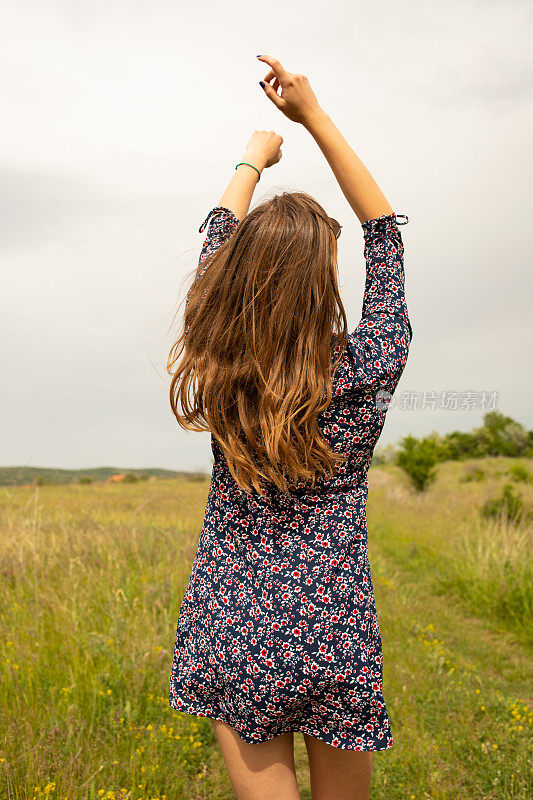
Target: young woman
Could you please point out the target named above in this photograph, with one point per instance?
(278, 631)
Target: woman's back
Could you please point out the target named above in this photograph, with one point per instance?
(278, 628)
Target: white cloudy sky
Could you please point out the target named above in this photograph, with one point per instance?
(122, 125)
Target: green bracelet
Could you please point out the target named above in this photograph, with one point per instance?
(249, 165)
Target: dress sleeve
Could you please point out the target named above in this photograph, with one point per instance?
(222, 224)
(380, 343)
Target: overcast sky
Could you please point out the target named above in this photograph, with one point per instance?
(122, 125)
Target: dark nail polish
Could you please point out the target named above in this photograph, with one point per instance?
(261, 84)
(259, 56)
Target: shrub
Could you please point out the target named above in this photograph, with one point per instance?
(519, 472)
(463, 445)
(418, 459)
(508, 505)
(85, 479)
(498, 436)
(130, 477)
(502, 436)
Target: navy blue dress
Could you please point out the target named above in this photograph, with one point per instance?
(278, 629)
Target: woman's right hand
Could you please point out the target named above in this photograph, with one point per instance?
(297, 100)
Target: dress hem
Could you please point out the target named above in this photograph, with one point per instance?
(199, 712)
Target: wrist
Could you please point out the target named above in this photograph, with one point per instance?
(315, 119)
(255, 159)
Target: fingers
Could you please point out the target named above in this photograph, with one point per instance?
(274, 96)
(270, 74)
(274, 83)
(279, 71)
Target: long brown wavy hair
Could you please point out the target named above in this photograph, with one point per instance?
(257, 340)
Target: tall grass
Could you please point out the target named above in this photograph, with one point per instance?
(490, 567)
(442, 535)
(91, 582)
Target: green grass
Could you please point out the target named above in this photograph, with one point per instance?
(91, 579)
(441, 536)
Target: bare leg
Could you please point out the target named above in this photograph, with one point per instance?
(338, 774)
(263, 771)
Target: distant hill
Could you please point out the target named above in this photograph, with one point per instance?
(16, 476)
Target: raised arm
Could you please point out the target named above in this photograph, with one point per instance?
(380, 342)
(357, 184)
(299, 103)
(263, 150)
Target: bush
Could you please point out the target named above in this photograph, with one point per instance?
(519, 472)
(502, 436)
(86, 479)
(130, 477)
(498, 436)
(418, 459)
(462, 445)
(508, 506)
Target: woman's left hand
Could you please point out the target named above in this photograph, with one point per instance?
(264, 149)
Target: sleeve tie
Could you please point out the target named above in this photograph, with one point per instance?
(215, 210)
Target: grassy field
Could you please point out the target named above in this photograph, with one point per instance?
(91, 579)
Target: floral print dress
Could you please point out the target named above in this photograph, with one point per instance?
(278, 629)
